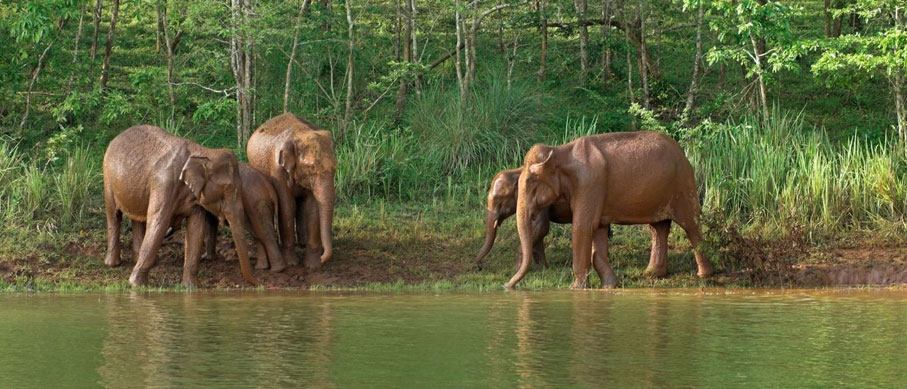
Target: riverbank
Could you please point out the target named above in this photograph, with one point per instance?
(383, 246)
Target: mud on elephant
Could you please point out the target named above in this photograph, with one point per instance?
(616, 178)
(298, 158)
(157, 180)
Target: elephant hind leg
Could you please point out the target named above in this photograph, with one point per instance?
(600, 258)
(114, 219)
(687, 219)
(138, 235)
(211, 224)
(196, 231)
(300, 223)
(658, 259)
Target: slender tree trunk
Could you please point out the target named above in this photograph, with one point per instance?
(581, 6)
(511, 60)
(286, 85)
(697, 60)
(165, 30)
(397, 29)
(460, 80)
(108, 48)
(630, 77)
(241, 63)
(643, 64)
(37, 71)
(75, 52)
(97, 26)
(407, 45)
(900, 104)
(159, 25)
(501, 47)
(543, 23)
(761, 82)
(347, 115)
(416, 58)
(827, 14)
(606, 31)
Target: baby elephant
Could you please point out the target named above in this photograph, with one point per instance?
(260, 202)
(502, 200)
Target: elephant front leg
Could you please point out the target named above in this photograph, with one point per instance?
(287, 218)
(114, 219)
(301, 238)
(600, 258)
(541, 227)
(211, 223)
(196, 227)
(262, 226)
(159, 219)
(313, 246)
(582, 254)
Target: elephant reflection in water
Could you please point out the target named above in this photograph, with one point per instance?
(172, 341)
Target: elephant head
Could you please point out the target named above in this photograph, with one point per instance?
(213, 178)
(308, 158)
(501, 204)
(539, 187)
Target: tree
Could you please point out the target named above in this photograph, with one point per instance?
(108, 48)
(882, 54)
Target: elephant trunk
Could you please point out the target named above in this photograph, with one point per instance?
(491, 231)
(324, 196)
(235, 214)
(524, 227)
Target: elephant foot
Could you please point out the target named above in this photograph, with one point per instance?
(138, 278)
(278, 266)
(312, 259)
(578, 285)
(190, 283)
(706, 272)
(261, 264)
(653, 272)
(110, 262)
(509, 286)
(209, 257)
(289, 256)
(609, 282)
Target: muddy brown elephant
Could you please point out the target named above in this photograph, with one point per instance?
(157, 180)
(615, 178)
(260, 202)
(298, 158)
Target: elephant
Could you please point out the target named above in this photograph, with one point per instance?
(615, 178)
(157, 180)
(298, 158)
(260, 202)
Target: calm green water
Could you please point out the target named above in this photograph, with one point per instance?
(526, 339)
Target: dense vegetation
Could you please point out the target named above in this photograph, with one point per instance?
(793, 112)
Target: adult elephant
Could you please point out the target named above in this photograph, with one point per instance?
(299, 159)
(157, 180)
(615, 178)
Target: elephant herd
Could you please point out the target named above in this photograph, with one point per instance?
(158, 180)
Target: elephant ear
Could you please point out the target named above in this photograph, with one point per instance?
(543, 170)
(195, 174)
(286, 157)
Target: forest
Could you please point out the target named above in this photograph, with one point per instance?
(793, 113)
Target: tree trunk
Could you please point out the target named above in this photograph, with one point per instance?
(165, 29)
(543, 26)
(108, 48)
(37, 71)
(416, 58)
(900, 104)
(407, 45)
(643, 54)
(97, 26)
(581, 6)
(460, 80)
(697, 60)
(75, 53)
(511, 60)
(240, 63)
(287, 78)
(606, 31)
(159, 32)
(347, 115)
(761, 82)
(397, 29)
(827, 13)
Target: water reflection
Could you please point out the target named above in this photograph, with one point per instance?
(521, 339)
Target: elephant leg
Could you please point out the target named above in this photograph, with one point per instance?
(313, 247)
(138, 235)
(114, 219)
(582, 255)
(286, 208)
(263, 231)
(300, 223)
(196, 225)
(211, 223)
(687, 215)
(261, 257)
(658, 258)
(600, 258)
(159, 218)
(542, 227)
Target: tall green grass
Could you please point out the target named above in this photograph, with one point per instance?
(36, 194)
(778, 171)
